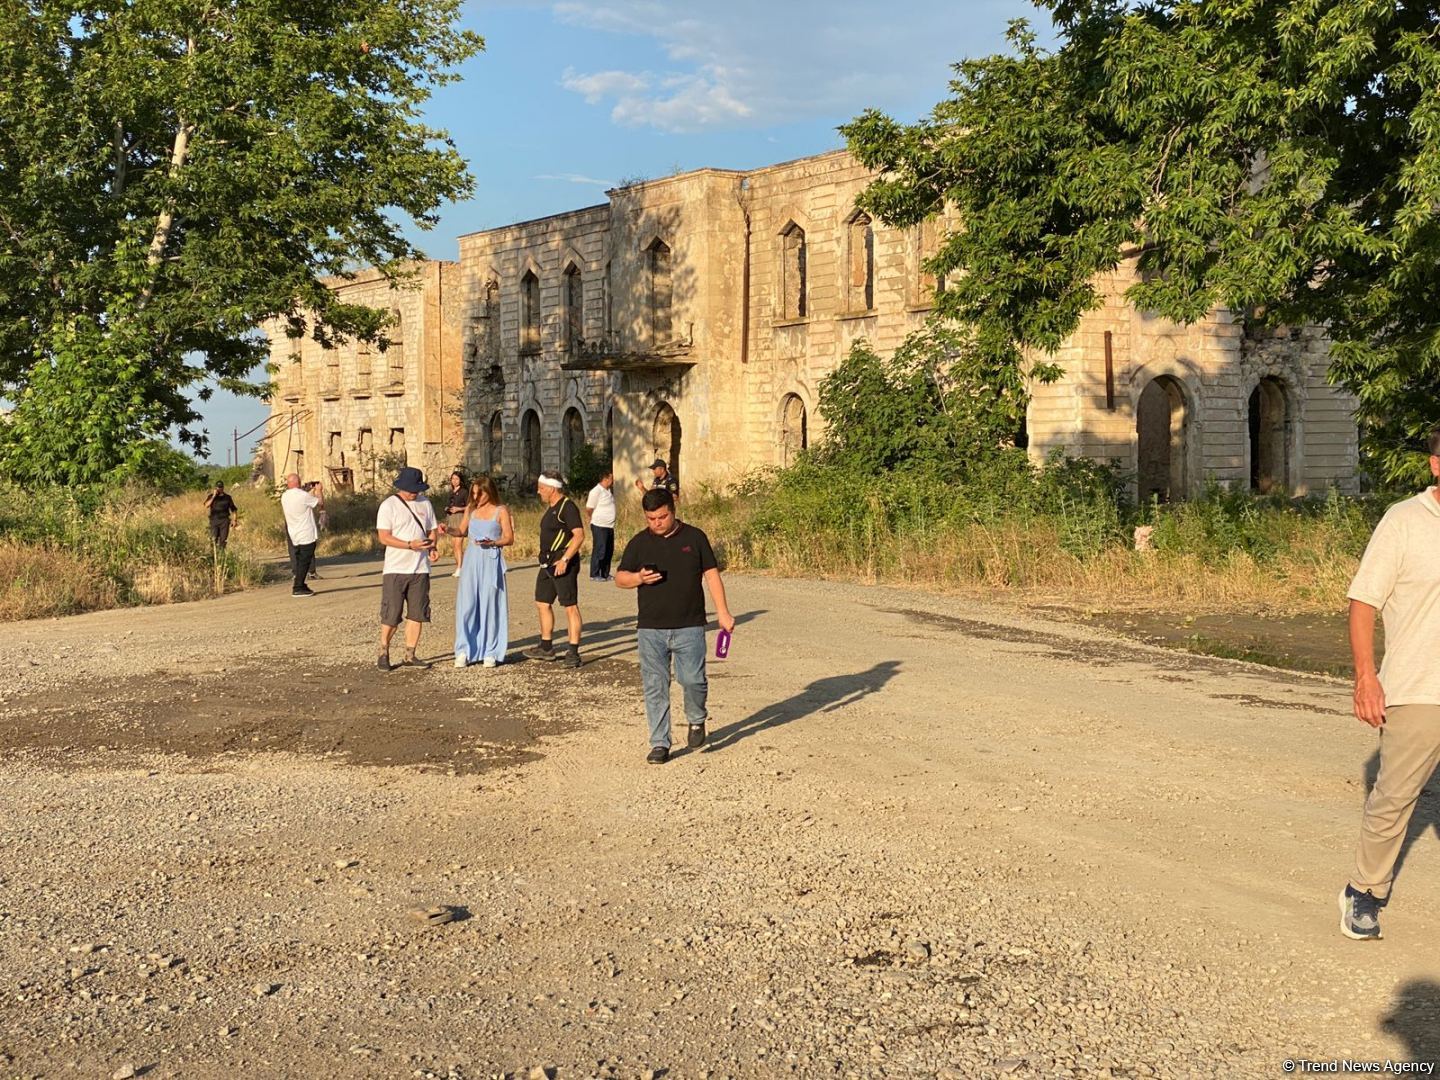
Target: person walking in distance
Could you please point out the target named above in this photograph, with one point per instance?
(299, 506)
(661, 479)
(1399, 577)
(407, 528)
(600, 507)
(457, 497)
(482, 611)
(561, 535)
(222, 515)
(668, 562)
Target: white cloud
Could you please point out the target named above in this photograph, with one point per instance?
(574, 178)
(778, 61)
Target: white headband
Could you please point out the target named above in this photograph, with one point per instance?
(551, 482)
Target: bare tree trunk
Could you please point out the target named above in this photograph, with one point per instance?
(118, 184)
(161, 236)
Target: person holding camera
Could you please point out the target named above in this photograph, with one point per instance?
(562, 532)
(299, 505)
(668, 563)
(222, 515)
(407, 528)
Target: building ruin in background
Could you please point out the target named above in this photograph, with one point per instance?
(692, 318)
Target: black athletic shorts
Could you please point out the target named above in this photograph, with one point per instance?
(408, 591)
(566, 588)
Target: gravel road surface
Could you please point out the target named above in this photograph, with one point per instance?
(927, 838)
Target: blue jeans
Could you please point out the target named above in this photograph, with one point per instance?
(602, 550)
(686, 647)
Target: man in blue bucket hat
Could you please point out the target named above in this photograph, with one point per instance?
(407, 528)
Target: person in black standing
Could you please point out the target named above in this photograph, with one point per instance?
(667, 563)
(222, 515)
(662, 479)
(562, 532)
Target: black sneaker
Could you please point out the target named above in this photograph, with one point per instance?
(383, 663)
(411, 660)
(572, 658)
(658, 755)
(304, 590)
(695, 738)
(1359, 915)
(535, 652)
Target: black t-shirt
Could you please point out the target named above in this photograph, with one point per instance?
(684, 556)
(457, 501)
(557, 524)
(221, 506)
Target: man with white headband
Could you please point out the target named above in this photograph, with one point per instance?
(562, 531)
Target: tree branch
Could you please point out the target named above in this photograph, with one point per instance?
(178, 154)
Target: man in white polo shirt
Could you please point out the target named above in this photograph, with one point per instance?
(299, 506)
(600, 506)
(1399, 577)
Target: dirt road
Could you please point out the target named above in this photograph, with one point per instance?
(927, 838)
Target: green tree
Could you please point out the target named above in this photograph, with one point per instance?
(1280, 158)
(174, 175)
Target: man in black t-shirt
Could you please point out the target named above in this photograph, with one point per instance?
(222, 515)
(668, 563)
(562, 531)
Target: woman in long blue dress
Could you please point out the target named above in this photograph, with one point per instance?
(482, 615)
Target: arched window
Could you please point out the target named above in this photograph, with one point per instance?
(1162, 430)
(665, 437)
(530, 448)
(495, 444)
(1270, 436)
(574, 310)
(792, 272)
(859, 263)
(794, 428)
(661, 295)
(529, 313)
(572, 436)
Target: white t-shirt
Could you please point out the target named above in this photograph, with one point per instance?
(299, 507)
(397, 518)
(1400, 575)
(601, 504)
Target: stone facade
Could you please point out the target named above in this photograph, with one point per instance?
(693, 317)
(348, 416)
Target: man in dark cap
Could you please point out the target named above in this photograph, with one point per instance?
(663, 480)
(407, 527)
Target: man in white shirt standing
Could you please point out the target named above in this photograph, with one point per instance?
(407, 528)
(600, 509)
(299, 507)
(1399, 577)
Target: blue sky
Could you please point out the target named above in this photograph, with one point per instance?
(571, 96)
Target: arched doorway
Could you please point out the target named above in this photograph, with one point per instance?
(572, 436)
(530, 448)
(794, 428)
(666, 439)
(495, 444)
(1162, 427)
(1270, 428)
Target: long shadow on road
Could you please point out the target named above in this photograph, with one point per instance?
(823, 695)
(1415, 1020)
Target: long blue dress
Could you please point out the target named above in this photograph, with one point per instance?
(482, 615)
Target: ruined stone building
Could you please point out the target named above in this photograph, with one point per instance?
(693, 317)
(349, 415)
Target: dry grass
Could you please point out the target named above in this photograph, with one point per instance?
(42, 582)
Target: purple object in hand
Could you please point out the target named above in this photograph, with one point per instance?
(722, 645)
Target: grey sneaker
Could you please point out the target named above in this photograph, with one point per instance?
(383, 663)
(1359, 915)
(535, 652)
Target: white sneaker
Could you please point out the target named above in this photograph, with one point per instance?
(456, 573)
(489, 662)
(460, 661)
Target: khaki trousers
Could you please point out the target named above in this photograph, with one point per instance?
(1409, 751)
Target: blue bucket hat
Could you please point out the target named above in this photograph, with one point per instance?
(411, 479)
